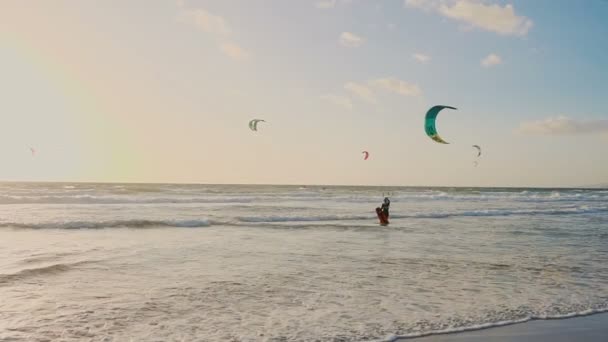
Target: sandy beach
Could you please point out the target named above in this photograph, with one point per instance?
(592, 328)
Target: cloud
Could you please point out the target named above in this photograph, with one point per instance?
(214, 25)
(234, 51)
(341, 101)
(422, 58)
(350, 39)
(426, 5)
(327, 4)
(361, 90)
(477, 13)
(324, 4)
(204, 21)
(397, 86)
(562, 125)
(491, 60)
(365, 91)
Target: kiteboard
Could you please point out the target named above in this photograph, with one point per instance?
(383, 219)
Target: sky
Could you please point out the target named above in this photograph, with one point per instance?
(163, 90)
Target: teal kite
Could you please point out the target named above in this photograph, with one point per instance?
(429, 123)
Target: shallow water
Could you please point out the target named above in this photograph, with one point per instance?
(115, 262)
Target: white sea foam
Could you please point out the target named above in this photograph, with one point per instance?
(432, 215)
(219, 220)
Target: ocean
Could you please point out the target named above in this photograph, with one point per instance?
(163, 262)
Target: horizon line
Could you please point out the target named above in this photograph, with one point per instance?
(590, 187)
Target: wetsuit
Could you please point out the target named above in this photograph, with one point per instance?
(384, 208)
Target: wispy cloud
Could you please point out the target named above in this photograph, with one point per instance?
(479, 14)
(423, 4)
(350, 39)
(234, 51)
(422, 58)
(398, 86)
(562, 125)
(362, 91)
(325, 4)
(204, 21)
(214, 25)
(491, 60)
(366, 91)
(338, 100)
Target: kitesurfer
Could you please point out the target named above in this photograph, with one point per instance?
(385, 205)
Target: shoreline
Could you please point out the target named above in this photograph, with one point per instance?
(592, 327)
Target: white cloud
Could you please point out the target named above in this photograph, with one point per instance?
(478, 13)
(327, 4)
(365, 91)
(214, 25)
(491, 60)
(324, 4)
(205, 21)
(341, 101)
(397, 86)
(361, 90)
(234, 51)
(350, 39)
(422, 58)
(423, 4)
(562, 125)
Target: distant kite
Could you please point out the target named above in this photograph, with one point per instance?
(478, 150)
(478, 154)
(429, 123)
(33, 151)
(253, 124)
(366, 155)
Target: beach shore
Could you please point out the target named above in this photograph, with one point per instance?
(592, 328)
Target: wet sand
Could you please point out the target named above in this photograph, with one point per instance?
(592, 328)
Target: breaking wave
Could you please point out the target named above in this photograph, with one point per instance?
(180, 196)
(436, 215)
(42, 271)
(271, 219)
(136, 223)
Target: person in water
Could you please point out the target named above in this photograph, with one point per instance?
(385, 205)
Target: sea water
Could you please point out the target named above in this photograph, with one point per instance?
(161, 262)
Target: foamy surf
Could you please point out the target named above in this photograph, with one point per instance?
(134, 223)
(220, 220)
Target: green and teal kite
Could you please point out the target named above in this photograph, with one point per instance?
(429, 123)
